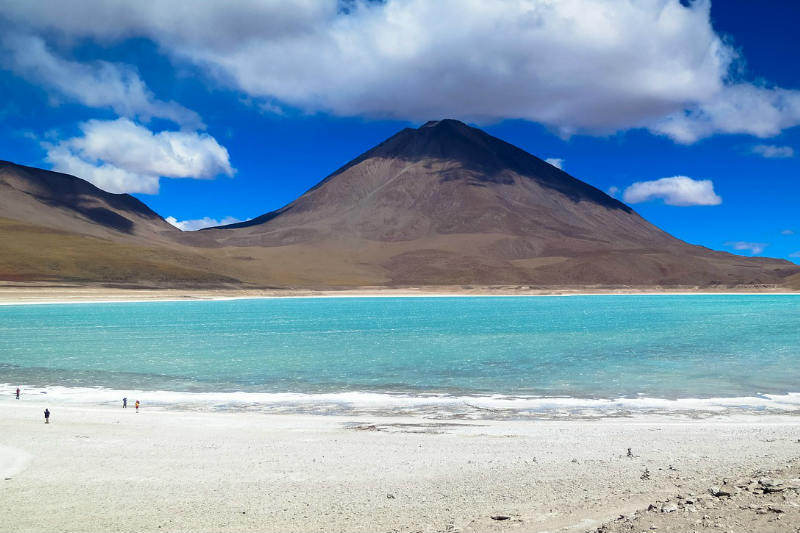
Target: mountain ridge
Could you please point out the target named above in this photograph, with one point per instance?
(66, 193)
(58, 227)
(442, 204)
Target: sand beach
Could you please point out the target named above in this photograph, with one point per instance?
(104, 468)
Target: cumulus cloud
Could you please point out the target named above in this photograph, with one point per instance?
(99, 84)
(613, 191)
(755, 248)
(740, 108)
(121, 156)
(106, 176)
(772, 152)
(795, 254)
(556, 162)
(677, 190)
(200, 223)
(215, 24)
(574, 65)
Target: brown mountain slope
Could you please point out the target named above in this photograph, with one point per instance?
(68, 203)
(37, 253)
(56, 227)
(450, 204)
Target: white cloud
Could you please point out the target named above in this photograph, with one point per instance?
(205, 222)
(677, 190)
(739, 108)
(772, 151)
(795, 254)
(571, 64)
(98, 84)
(787, 232)
(106, 176)
(574, 65)
(216, 24)
(613, 191)
(556, 162)
(121, 156)
(755, 248)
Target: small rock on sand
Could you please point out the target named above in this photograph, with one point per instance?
(720, 492)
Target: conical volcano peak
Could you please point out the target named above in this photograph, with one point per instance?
(430, 124)
(411, 175)
(483, 158)
(447, 139)
(445, 122)
(447, 127)
(452, 134)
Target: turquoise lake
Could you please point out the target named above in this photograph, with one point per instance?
(582, 347)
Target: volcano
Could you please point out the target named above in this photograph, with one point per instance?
(442, 204)
(449, 204)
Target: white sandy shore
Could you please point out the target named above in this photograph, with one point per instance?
(11, 294)
(98, 468)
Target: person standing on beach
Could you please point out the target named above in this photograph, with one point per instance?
(17, 393)
(137, 406)
(124, 403)
(47, 416)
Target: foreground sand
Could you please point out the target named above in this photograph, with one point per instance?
(98, 468)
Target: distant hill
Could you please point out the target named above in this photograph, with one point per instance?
(68, 203)
(443, 204)
(449, 204)
(56, 227)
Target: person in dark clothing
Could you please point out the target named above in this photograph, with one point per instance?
(124, 403)
(17, 393)
(47, 416)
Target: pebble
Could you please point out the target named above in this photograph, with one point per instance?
(770, 485)
(720, 492)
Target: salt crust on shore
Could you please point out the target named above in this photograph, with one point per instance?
(11, 294)
(100, 468)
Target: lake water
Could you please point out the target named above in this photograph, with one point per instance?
(459, 356)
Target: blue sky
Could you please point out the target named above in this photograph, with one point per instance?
(687, 111)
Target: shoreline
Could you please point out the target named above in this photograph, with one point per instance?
(442, 406)
(32, 295)
(107, 468)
